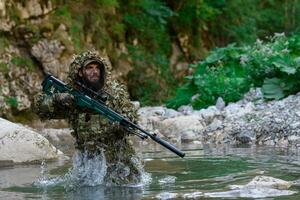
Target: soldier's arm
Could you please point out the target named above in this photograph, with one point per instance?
(52, 106)
(121, 102)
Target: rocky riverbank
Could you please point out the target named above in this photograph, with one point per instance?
(250, 121)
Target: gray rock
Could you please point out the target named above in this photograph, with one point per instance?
(186, 110)
(187, 128)
(220, 104)
(151, 111)
(209, 114)
(20, 144)
(170, 113)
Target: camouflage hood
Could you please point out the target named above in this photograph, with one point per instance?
(83, 59)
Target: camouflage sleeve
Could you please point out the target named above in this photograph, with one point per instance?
(47, 108)
(121, 102)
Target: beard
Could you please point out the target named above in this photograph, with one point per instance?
(94, 85)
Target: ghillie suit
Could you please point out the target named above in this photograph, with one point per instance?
(94, 133)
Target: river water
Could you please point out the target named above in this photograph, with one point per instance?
(208, 172)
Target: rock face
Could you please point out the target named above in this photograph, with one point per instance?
(20, 144)
(248, 121)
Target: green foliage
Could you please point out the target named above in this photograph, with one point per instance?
(242, 21)
(12, 101)
(3, 67)
(148, 24)
(150, 75)
(108, 3)
(273, 88)
(23, 62)
(149, 28)
(63, 14)
(4, 42)
(229, 72)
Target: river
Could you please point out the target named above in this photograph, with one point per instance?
(208, 172)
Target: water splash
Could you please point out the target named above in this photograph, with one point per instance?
(90, 170)
(166, 195)
(86, 171)
(167, 180)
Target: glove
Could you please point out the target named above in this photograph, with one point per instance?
(64, 99)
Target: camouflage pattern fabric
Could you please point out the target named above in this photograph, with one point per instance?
(93, 132)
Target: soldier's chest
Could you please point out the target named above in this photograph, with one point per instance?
(91, 122)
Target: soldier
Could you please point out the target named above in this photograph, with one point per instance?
(94, 134)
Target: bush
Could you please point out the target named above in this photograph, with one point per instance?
(231, 71)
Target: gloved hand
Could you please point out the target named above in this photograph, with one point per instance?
(64, 99)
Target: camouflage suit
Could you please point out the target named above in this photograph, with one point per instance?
(93, 132)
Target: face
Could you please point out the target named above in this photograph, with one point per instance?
(91, 72)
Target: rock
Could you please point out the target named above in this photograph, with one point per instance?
(186, 110)
(259, 187)
(254, 95)
(214, 125)
(244, 138)
(170, 113)
(33, 8)
(220, 104)
(150, 123)
(151, 111)
(209, 114)
(20, 144)
(237, 110)
(270, 182)
(136, 104)
(61, 138)
(244, 122)
(6, 163)
(185, 128)
(294, 139)
(48, 53)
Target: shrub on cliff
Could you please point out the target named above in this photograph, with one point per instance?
(231, 71)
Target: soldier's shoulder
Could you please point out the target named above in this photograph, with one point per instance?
(116, 87)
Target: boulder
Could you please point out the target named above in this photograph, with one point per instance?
(185, 128)
(267, 181)
(20, 144)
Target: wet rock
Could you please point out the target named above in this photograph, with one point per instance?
(255, 192)
(267, 181)
(20, 144)
(259, 187)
